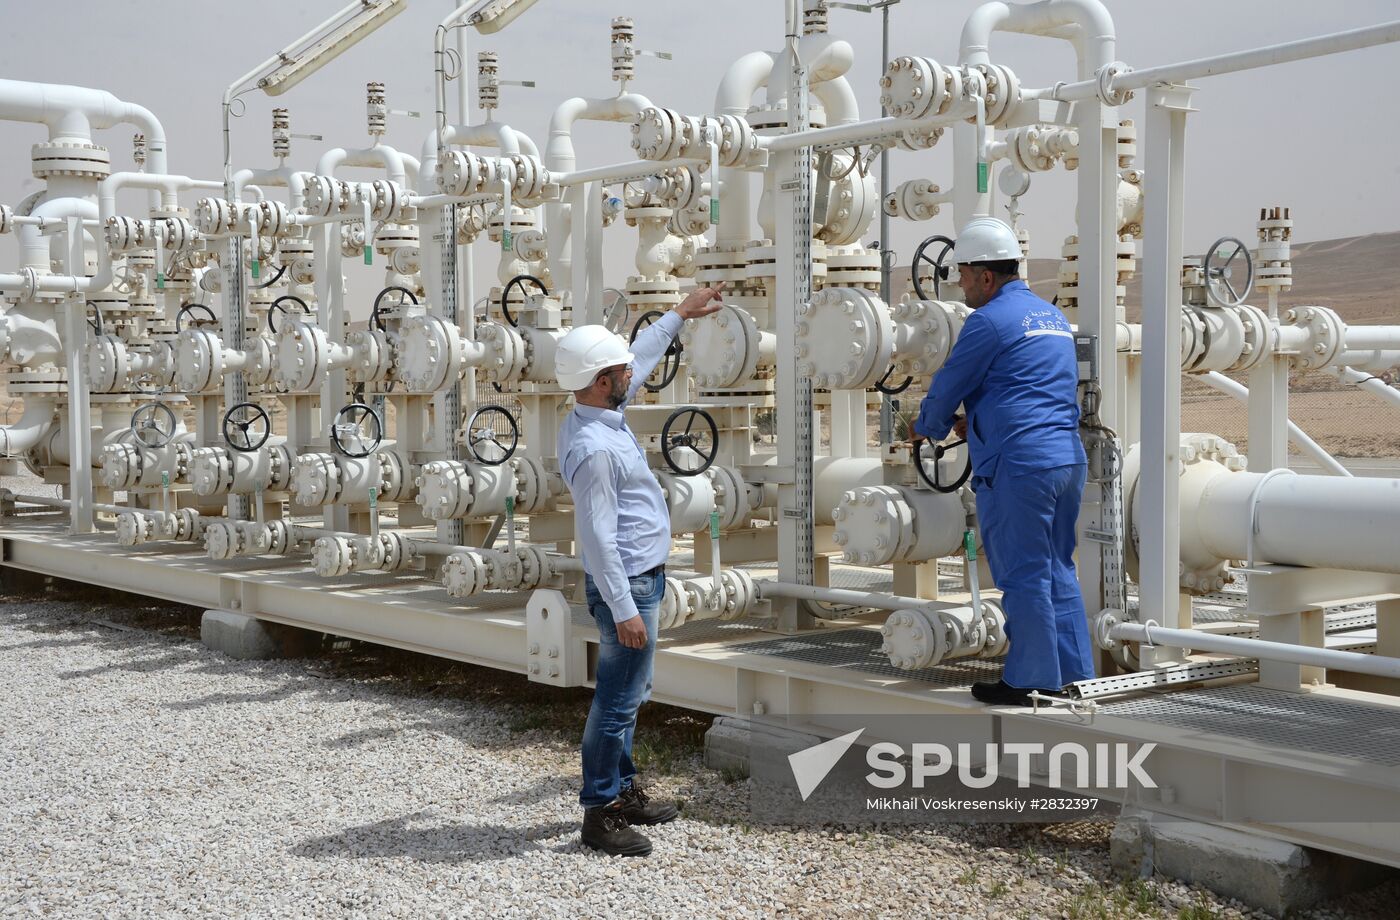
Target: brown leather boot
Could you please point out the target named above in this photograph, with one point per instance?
(605, 828)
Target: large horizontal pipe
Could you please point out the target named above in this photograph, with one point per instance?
(1316, 521)
(1351, 662)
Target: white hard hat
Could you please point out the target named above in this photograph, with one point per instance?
(584, 352)
(986, 239)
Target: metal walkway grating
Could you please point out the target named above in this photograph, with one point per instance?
(859, 650)
(1297, 721)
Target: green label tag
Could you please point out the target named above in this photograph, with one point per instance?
(510, 506)
(506, 239)
(714, 525)
(714, 210)
(160, 280)
(373, 499)
(369, 255)
(257, 269)
(970, 544)
(165, 480)
(981, 177)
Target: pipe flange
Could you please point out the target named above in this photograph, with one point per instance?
(301, 356)
(1326, 336)
(211, 471)
(463, 574)
(1105, 77)
(925, 332)
(316, 480)
(1103, 627)
(333, 556)
(108, 364)
(222, 540)
(994, 626)
(505, 572)
(374, 355)
(199, 360)
(844, 339)
(134, 529)
(429, 353)
(917, 87)
(912, 641)
(723, 348)
(874, 525)
(675, 606)
(444, 490)
(1002, 91)
(70, 158)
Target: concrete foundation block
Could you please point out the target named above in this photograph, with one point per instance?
(1262, 872)
(238, 635)
(731, 741)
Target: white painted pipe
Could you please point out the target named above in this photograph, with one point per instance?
(1086, 24)
(1367, 382)
(71, 112)
(1253, 58)
(36, 421)
(293, 180)
(379, 155)
(1307, 445)
(1196, 640)
(34, 249)
(559, 157)
(771, 589)
(745, 77)
(1315, 521)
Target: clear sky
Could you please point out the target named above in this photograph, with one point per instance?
(1318, 136)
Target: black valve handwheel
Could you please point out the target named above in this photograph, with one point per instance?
(189, 310)
(95, 321)
(1218, 268)
(938, 451)
(350, 425)
(883, 384)
(495, 426)
(702, 443)
(280, 306)
(940, 268)
(615, 312)
(246, 427)
(404, 297)
(518, 281)
(153, 425)
(670, 361)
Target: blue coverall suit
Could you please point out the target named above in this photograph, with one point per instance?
(1013, 368)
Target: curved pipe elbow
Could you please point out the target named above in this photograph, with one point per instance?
(35, 422)
(559, 149)
(1095, 41)
(838, 100)
(833, 57)
(745, 77)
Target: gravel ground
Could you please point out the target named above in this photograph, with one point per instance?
(144, 775)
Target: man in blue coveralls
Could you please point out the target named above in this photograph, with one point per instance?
(624, 537)
(1013, 368)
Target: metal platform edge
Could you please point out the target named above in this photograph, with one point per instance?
(1216, 778)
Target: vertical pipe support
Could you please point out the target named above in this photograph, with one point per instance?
(79, 406)
(1159, 551)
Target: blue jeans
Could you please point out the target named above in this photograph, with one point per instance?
(1028, 532)
(623, 685)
